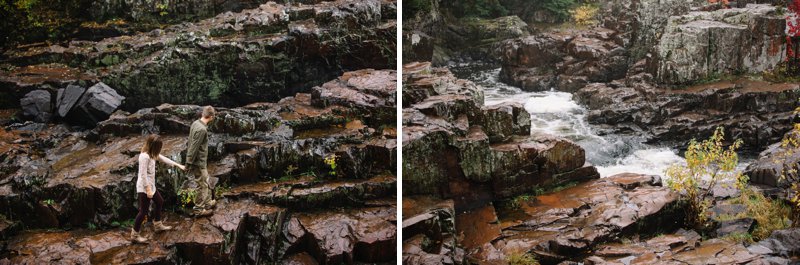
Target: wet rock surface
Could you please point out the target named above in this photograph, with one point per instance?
(683, 247)
(261, 54)
(568, 223)
(278, 200)
(429, 231)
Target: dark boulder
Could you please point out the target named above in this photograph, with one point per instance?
(736, 227)
(67, 97)
(37, 105)
(95, 105)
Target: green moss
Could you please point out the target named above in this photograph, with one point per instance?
(739, 237)
(109, 60)
(517, 201)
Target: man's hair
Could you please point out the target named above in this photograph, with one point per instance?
(208, 112)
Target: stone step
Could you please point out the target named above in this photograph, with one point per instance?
(307, 192)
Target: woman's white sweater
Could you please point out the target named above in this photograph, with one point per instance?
(147, 172)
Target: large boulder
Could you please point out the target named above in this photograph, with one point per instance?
(777, 166)
(707, 44)
(37, 105)
(67, 97)
(429, 231)
(95, 105)
(640, 23)
(565, 60)
(781, 243)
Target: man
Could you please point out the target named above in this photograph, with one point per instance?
(196, 163)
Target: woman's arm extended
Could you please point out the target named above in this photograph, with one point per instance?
(168, 161)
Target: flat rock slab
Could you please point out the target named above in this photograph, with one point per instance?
(683, 247)
(559, 225)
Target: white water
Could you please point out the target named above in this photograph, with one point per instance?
(556, 113)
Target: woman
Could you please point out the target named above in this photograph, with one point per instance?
(146, 186)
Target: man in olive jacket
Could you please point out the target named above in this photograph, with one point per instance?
(196, 163)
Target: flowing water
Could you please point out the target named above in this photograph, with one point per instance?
(557, 113)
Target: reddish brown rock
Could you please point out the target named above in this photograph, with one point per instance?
(680, 248)
(579, 57)
(365, 235)
(559, 225)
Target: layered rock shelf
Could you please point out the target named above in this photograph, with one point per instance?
(260, 54)
(757, 112)
(278, 201)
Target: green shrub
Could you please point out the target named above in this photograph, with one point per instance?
(707, 162)
(770, 215)
(521, 258)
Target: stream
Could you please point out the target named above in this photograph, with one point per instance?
(556, 113)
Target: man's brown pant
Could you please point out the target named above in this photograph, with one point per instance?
(201, 185)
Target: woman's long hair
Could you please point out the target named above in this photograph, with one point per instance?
(152, 146)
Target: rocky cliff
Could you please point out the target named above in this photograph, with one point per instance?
(279, 201)
(260, 54)
(709, 44)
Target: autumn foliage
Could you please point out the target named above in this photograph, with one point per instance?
(792, 27)
(724, 2)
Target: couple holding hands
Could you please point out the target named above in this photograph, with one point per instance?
(196, 156)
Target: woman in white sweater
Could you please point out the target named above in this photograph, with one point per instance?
(146, 186)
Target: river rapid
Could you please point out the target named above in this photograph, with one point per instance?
(557, 113)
